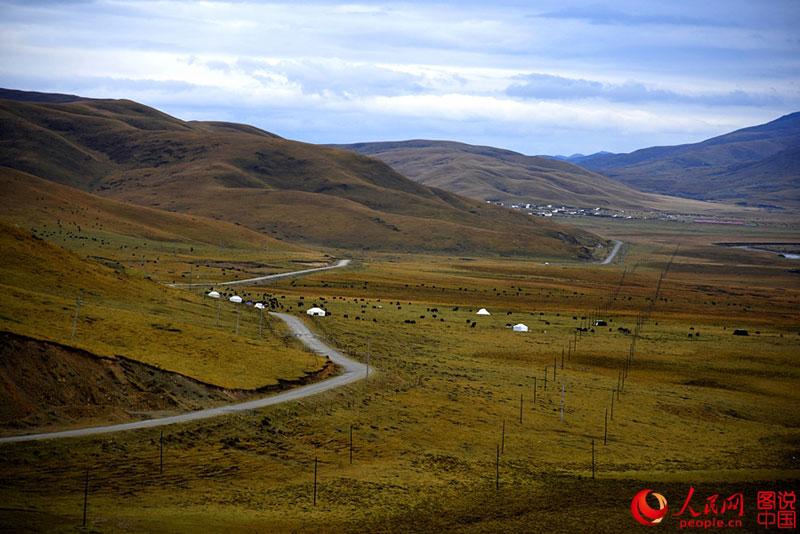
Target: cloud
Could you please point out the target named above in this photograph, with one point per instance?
(548, 87)
(572, 76)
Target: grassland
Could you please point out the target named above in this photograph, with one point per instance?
(129, 315)
(700, 407)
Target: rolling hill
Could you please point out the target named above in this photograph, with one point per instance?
(29, 201)
(759, 165)
(494, 174)
(239, 174)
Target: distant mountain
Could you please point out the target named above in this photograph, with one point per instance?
(754, 166)
(577, 157)
(230, 172)
(488, 173)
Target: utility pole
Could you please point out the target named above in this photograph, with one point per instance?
(315, 480)
(85, 496)
(497, 470)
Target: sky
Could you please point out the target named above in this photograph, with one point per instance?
(538, 77)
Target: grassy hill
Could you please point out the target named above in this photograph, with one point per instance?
(123, 314)
(34, 202)
(240, 174)
(488, 173)
(754, 166)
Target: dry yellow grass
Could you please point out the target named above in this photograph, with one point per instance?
(714, 411)
(139, 319)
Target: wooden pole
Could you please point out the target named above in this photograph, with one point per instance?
(593, 464)
(503, 438)
(520, 408)
(497, 470)
(315, 480)
(85, 496)
(605, 429)
(161, 452)
(563, 395)
(534, 392)
(562, 357)
(351, 444)
(260, 321)
(555, 367)
(545, 378)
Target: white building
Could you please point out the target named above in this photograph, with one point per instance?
(236, 298)
(316, 312)
(483, 311)
(213, 294)
(519, 328)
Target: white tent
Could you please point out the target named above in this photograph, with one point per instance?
(519, 328)
(236, 298)
(483, 311)
(318, 312)
(213, 294)
(259, 305)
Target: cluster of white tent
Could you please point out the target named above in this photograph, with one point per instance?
(516, 328)
(236, 299)
(317, 312)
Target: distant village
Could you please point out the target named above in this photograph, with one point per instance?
(555, 210)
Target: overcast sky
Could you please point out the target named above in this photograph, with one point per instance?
(540, 77)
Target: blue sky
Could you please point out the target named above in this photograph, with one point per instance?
(540, 77)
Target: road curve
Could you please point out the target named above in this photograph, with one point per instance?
(352, 372)
(340, 263)
(613, 253)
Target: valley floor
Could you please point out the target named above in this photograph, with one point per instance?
(466, 425)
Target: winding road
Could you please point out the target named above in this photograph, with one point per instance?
(352, 372)
(613, 253)
(340, 263)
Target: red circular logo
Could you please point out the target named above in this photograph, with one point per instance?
(646, 514)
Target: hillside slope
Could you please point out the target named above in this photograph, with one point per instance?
(757, 165)
(34, 202)
(236, 173)
(122, 314)
(488, 173)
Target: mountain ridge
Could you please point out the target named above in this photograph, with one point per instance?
(237, 173)
(496, 174)
(732, 167)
